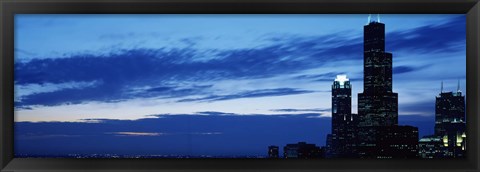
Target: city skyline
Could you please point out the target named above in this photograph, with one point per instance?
(374, 132)
(267, 74)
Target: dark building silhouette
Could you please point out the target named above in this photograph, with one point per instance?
(379, 135)
(377, 105)
(303, 150)
(450, 122)
(329, 151)
(273, 152)
(386, 142)
(342, 140)
(396, 142)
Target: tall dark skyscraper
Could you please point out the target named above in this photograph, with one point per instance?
(378, 104)
(343, 121)
(379, 135)
(450, 121)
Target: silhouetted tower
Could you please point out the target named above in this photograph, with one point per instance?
(343, 121)
(450, 121)
(377, 105)
(379, 135)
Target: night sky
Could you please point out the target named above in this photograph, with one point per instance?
(220, 85)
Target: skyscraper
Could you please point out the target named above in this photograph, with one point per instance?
(343, 121)
(378, 104)
(379, 135)
(450, 121)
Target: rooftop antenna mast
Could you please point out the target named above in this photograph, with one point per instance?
(458, 86)
(441, 88)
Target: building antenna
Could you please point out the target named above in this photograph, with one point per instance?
(458, 86)
(378, 18)
(441, 88)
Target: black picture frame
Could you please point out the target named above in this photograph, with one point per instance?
(9, 8)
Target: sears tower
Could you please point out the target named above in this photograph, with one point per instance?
(379, 135)
(377, 105)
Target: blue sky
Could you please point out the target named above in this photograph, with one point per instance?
(86, 69)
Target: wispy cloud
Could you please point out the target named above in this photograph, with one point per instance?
(301, 110)
(251, 94)
(406, 69)
(18, 50)
(30, 136)
(207, 133)
(215, 113)
(423, 108)
(22, 91)
(142, 73)
(160, 134)
(445, 37)
(136, 134)
(318, 116)
(328, 75)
